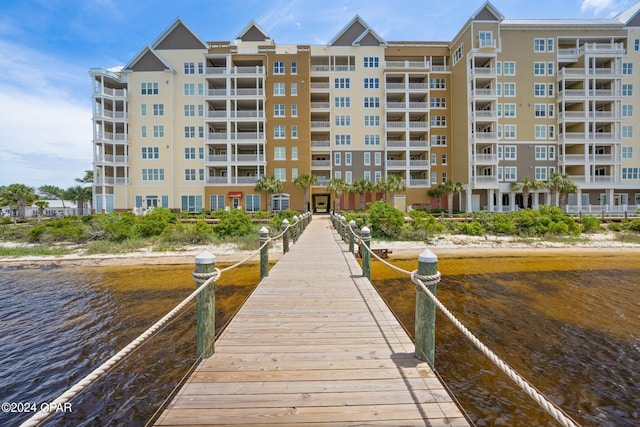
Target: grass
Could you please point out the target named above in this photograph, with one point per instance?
(107, 247)
(33, 251)
(628, 238)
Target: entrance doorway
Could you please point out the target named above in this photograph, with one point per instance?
(321, 203)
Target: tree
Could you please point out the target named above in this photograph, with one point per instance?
(450, 189)
(18, 195)
(337, 186)
(87, 179)
(269, 186)
(391, 184)
(560, 184)
(362, 187)
(526, 186)
(41, 204)
(305, 181)
(80, 195)
(436, 193)
(52, 192)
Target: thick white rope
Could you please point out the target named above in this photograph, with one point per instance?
(542, 400)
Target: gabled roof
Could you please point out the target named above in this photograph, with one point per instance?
(487, 12)
(178, 36)
(253, 33)
(357, 32)
(147, 60)
(630, 16)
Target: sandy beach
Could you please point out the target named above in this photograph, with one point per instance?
(444, 245)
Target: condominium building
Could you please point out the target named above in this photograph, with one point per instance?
(193, 125)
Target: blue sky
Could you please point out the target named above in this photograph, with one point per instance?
(48, 46)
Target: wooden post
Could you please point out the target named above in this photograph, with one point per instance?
(366, 256)
(295, 229)
(425, 332)
(264, 253)
(285, 235)
(205, 307)
(352, 237)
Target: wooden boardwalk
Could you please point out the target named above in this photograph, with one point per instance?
(314, 344)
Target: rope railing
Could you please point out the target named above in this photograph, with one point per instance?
(423, 282)
(202, 279)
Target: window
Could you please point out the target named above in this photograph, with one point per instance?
(498, 89)
(200, 153)
(251, 203)
(280, 174)
(627, 111)
(437, 83)
(630, 173)
(278, 110)
(627, 90)
(143, 131)
(367, 158)
(371, 121)
(539, 68)
(627, 68)
(294, 110)
(337, 159)
(191, 203)
(200, 89)
(541, 132)
(552, 132)
(189, 110)
(551, 68)
(438, 102)
(438, 121)
(551, 110)
(500, 173)
(294, 67)
(439, 140)
(189, 174)
(510, 152)
(189, 153)
(486, 39)
(189, 132)
(279, 153)
(347, 159)
(550, 91)
(348, 177)
(343, 120)
(189, 89)
(377, 158)
(342, 102)
(539, 90)
(294, 131)
(627, 153)
(377, 176)
(371, 62)
(216, 201)
(342, 83)
(372, 83)
(499, 68)
(294, 153)
(444, 177)
(158, 131)
(371, 102)
(541, 152)
(434, 178)
(636, 45)
(294, 174)
(154, 174)
(540, 110)
(509, 68)
(278, 89)
(510, 131)
(143, 110)
(627, 132)
(294, 89)
(278, 67)
(279, 132)
(158, 110)
(539, 45)
(457, 55)
(509, 89)
(280, 202)
(150, 153)
(540, 173)
(509, 110)
(372, 139)
(500, 149)
(510, 173)
(201, 132)
(434, 159)
(443, 159)
(367, 176)
(147, 88)
(551, 152)
(200, 110)
(550, 45)
(189, 68)
(200, 67)
(343, 139)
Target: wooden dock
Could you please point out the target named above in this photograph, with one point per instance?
(314, 344)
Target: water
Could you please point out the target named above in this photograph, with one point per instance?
(570, 325)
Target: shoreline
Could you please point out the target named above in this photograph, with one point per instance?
(445, 245)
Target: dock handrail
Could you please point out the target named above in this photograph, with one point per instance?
(203, 280)
(422, 282)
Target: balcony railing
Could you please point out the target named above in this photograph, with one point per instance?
(581, 179)
(484, 71)
(110, 114)
(235, 92)
(485, 159)
(109, 180)
(111, 92)
(605, 48)
(320, 105)
(584, 115)
(320, 144)
(485, 136)
(419, 183)
(409, 65)
(421, 164)
(258, 69)
(320, 86)
(407, 86)
(224, 180)
(333, 68)
(256, 114)
(110, 136)
(486, 179)
(111, 158)
(581, 136)
(240, 136)
(583, 93)
(396, 163)
(414, 143)
(485, 93)
(320, 124)
(320, 163)
(579, 72)
(487, 114)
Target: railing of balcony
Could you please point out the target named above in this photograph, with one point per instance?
(320, 144)
(419, 164)
(583, 115)
(580, 159)
(111, 158)
(320, 86)
(320, 105)
(320, 124)
(419, 183)
(484, 92)
(419, 125)
(110, 136)
(485, 136)
(486, 179)
(240, 136)
(110, 114)
(321, 183)
(440, 69)
(581, 136)
(396, 163)
(111, 92)
(407, 64)
(333, 68)
(258, 69)
(320, 163)
(485, 114)
(485, 158)
(109, 180)
(613, 48)
(483, 71)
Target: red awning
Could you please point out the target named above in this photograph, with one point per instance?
(235, 195)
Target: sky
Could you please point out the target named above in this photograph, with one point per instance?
(47, 48)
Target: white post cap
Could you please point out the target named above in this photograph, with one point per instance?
(205, 257)
(428, 257)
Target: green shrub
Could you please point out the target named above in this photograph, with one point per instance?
(425, 223)
(559, 227)
(279, 216)
(472, 228)
(118, 226)
(633, 225)
(66, 229)
(233, 223)
(590, 223)
(385, 218)
(154, 222)
(614, 226)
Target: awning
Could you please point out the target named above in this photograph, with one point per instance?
(235, 195)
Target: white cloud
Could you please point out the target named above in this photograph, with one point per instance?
(596, 6)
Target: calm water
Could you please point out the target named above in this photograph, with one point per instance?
(570, 325)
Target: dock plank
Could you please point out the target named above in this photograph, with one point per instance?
(314, 344)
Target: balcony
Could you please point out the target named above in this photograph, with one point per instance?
(583, 180)
(110, 114)
(111, 137)
(320, 87)
(584, 93)
(484, 71)
(322, 106)
(485, 114)
(419, 183)
(485, 159)
(581, 136)
(112, 158)
(408, 65)
(584, 72)
(242, 92)
(485, 136)
(419, 164)
(407, 86)
(333, 68)
(414, 143)
(590, 115)
(407, 105)
(241, 136)
(223, 180)
(109, 180)
(320, 145)
(221, 71)
(116, 93)
(486, 179)
(582, 159)
(320, 124)
(600, 48)
(324, 164)
(256, 114)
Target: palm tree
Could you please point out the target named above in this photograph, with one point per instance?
(560, 184)
(337, 186)
(526, 186)
(450, 189)
(41, 204)
(305, 181)
(362, 187)
(391, 184)
(52, 192)
(87, 179)
(269, 185)
(80, 195)
(436, 193)
(18, 195)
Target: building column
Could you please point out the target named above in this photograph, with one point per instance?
(499, 200)
(468, 192)
(512, 202)
(490, 196)
(579, 201)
